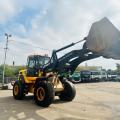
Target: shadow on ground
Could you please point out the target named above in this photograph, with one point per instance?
(11, 109)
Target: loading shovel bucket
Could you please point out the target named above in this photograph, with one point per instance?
(104, 38)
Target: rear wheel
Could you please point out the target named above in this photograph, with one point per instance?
(69, 92)
(18, 90)
(43, 94)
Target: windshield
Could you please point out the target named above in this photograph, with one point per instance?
(76, 74)
(42, 60)
(86, 72)
(95, 73)
(36, 61)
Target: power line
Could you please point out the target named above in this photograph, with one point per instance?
(30, 45)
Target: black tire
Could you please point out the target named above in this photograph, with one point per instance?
(69, 91)
(45, 90)
(18, 95)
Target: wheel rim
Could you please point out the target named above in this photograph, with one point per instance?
(40, 94)
(16, 90)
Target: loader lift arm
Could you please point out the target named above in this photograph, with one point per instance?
(70, 61)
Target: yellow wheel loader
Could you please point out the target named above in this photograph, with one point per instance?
(47, 77)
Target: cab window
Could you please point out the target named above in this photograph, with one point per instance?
(31, 63)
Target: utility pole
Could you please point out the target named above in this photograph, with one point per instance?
(6, 48)
(86, 65)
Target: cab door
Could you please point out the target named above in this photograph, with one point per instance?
(32, 72)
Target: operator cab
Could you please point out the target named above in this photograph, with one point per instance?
(35, 63)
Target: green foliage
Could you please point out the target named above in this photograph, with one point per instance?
(79, 68)
(11, 71)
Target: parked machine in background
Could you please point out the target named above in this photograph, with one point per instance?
(118, 78)
(75, 77)
(103, 76)
(85, 76)
(95, 76)
(112, 77)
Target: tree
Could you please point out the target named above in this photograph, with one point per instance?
(79, 68)
(11, 71)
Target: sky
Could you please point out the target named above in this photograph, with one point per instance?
(39, 26)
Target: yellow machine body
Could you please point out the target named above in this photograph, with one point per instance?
(30, 81)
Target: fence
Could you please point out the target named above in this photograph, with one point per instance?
(8, 79)
(7, 82)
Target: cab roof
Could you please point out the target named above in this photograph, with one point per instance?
(39, 55)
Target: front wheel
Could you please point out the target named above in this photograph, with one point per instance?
(69, 91)
(18, 90)
(43, 94)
